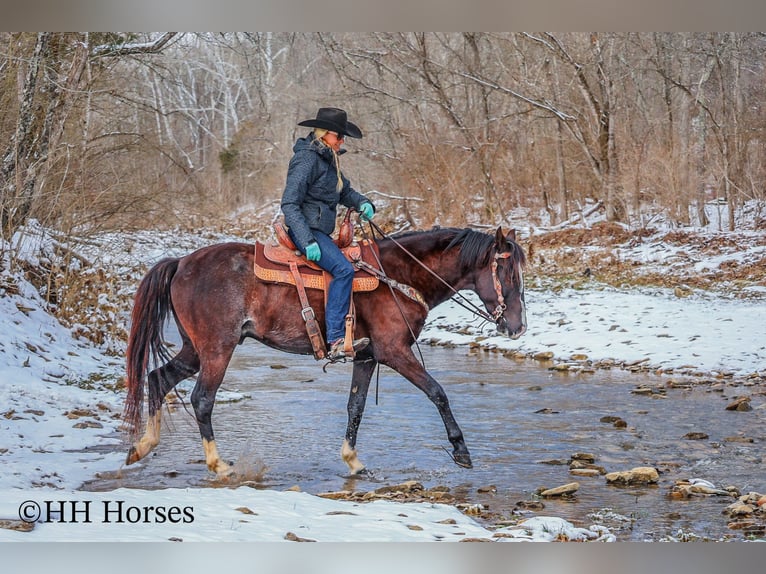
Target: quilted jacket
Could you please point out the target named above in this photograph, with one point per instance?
(310, 199)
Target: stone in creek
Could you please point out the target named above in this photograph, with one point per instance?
(563, 490)
(584, 472)
(696, 436)
(638, 475)
(739, 509)
(741, 404)
(584, 457)
(579, 465)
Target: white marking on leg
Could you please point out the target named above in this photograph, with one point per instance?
(151, 437)
(213, 460)
(349, 457)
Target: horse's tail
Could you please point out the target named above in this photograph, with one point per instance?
(146, 346)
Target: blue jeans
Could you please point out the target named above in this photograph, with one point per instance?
(339, 292)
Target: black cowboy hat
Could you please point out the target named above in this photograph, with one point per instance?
(334, 120)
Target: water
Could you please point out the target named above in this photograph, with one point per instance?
(289, 429)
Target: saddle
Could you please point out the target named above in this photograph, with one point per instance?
(274, 263)
(283, 263)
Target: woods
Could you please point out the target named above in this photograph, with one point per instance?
(112, 131)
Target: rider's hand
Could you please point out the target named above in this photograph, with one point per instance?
(313, 253)
(367, 210)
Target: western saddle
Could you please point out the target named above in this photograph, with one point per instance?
(282, 262)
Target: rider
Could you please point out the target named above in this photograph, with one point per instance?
(314, 188)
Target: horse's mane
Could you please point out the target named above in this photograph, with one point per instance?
(475, 246)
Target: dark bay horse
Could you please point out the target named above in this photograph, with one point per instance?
(217, 302)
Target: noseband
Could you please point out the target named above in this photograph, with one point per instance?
(501, 306)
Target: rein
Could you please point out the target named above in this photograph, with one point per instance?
(456, 295)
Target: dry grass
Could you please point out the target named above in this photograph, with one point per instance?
(610, 254)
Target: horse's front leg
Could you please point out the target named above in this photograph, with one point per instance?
(357, 398)
(203, 399)
(407, 365)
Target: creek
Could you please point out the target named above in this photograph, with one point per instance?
(518, 417)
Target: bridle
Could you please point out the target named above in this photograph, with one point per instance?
(457, 297)
(501, 306)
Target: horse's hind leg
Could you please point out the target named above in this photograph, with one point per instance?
(357, 398)
(160, 382)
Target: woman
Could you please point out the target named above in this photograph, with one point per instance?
(315, 186)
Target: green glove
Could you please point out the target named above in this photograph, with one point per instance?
(313, 253)
(367, 210)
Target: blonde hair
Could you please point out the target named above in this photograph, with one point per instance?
(319, 134)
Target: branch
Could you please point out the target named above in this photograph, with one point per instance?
(399, 197)
(128, 49)
(535, 103)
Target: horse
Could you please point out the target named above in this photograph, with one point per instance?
(217, 303)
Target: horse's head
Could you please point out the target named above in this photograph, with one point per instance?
(502, 287)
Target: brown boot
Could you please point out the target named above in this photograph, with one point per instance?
(336, 351)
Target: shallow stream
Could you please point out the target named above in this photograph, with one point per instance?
(515, 416)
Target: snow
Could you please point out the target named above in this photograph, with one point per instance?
(60, 424)
(696, 333)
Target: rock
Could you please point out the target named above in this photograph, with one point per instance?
(470, 509)
(740, 404)
(292, 537)
(530, 505)
(743, 439)
(696, 486)
(408, 486)
(88, 425)
(562, 367)
(638, 475)
(609, 419)
(337, 495)
(489, 488)
(563, 490)
(578, 465)
(584, 472)
(553, 462)
(739, 509)
(543, 356)
(680, 492)
(702, 489)
(17, 525)
(741, 525)
(696, 436)
(584, 457)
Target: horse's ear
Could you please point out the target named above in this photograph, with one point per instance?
(511, 235)
(499, 237)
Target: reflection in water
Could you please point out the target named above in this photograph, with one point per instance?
(515, 415)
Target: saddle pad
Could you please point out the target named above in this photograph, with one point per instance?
(272, 264)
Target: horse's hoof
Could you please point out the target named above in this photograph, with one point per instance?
(132, 456)
(462, 459)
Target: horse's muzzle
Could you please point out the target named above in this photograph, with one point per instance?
(502, 328)
(516, 334)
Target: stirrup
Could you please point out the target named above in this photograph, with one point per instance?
(337, 351)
